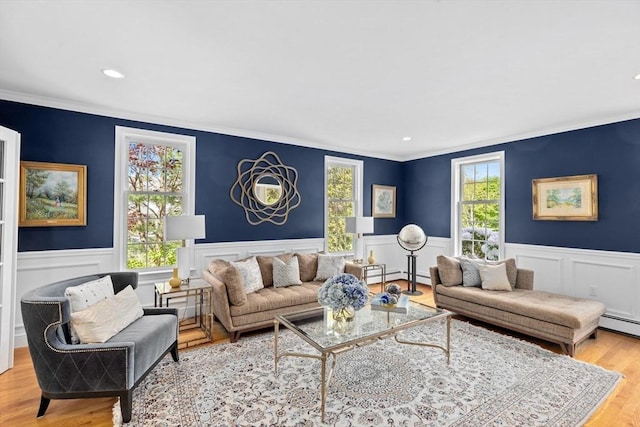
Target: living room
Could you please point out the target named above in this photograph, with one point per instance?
(588, 259)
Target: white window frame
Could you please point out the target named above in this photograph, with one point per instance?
(123, 136)
(357, 184)
(456, 197)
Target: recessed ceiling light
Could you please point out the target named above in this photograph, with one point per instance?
(637, 77)
(406, 138)
(115, 74)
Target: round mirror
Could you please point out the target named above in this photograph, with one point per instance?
(267, 189)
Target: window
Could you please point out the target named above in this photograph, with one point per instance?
(343, 198)
(478, 198)
(154, 178)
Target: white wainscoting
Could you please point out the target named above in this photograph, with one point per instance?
(613, 277)
(610, 277)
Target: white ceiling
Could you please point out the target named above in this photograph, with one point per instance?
(354, 76)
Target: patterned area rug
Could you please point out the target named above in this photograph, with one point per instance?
(493, 380)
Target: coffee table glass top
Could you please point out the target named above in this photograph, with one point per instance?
(318, 328)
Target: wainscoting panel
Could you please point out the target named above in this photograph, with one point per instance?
(610, 277)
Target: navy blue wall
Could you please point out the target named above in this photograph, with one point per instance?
(59, 136)
(610, 151)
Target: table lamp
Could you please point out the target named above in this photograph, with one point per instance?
(183, 228)
(359, 225)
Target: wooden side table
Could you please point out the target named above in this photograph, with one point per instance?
(202, 293)
(366, 268)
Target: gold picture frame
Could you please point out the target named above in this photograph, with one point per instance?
(52, 194)
(383, 201)
(569, 198)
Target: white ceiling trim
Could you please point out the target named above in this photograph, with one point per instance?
(165, 121)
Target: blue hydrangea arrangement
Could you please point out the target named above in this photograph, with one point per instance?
(343, 290)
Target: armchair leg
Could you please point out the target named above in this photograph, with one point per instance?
(126, 403)
(174, 352)
(44, 404)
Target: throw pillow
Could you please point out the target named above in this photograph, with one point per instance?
(86, 295)
(216, 265)
(449, 270)
(286, 273)
(266, 267)
(329, 266)
(494, 277)
(512, 270)
(101, 321)
(250, 272)
(232, 279)
(308, 266)
(470, 272)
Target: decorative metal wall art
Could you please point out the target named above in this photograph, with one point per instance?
(266, 189)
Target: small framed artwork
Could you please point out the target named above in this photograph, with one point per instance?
(569, 198)
(383, 201)
(52, 194)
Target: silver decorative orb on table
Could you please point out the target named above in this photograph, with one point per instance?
(411, 238)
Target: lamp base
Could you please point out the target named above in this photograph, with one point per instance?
(182, 258)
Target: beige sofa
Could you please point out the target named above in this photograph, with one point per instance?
(239, 311)
(557, 318)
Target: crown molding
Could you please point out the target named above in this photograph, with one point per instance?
(165, 121)
(60, 104)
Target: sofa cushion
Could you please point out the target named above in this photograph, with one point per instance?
(150, 333)
(494, 277)
(545, 306)
(329, 266)
(272, 298)
(102, 320)
(470, 271)
(84, 296)
(308, 264)
(232, 279)
(512, 269)
(250, 272)
(286, 273)
(216, 265)
(266, 267)
(449, 270)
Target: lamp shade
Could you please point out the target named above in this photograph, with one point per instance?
(184, 227)
(359, 224)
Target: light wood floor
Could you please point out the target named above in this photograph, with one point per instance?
(20, 394)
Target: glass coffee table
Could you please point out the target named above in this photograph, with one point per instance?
(330, 338)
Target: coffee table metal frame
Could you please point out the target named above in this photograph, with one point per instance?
(347, 344)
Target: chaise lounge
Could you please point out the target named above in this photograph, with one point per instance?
(553, 317)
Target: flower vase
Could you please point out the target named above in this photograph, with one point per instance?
(371, 259)
(175, 281)
(344, 314)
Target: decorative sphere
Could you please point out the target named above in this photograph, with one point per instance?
(412, 237)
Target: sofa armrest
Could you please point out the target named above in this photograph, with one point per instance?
(160, 310)
(220, 303)
(435, 282)
(355, 269)
(524, 279)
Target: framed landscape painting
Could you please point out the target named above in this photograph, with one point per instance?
(570, 198)
(52, 194)
(383, 201)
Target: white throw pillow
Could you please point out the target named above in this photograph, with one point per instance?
(250, 271)
(286, 274)
(106, 318)
(494, 277)
(329, 266)
(86, 295)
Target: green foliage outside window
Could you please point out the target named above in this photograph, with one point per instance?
(340, 183)
(155, 177)
(480, 210)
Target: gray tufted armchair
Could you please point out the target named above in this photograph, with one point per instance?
(113, 368)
